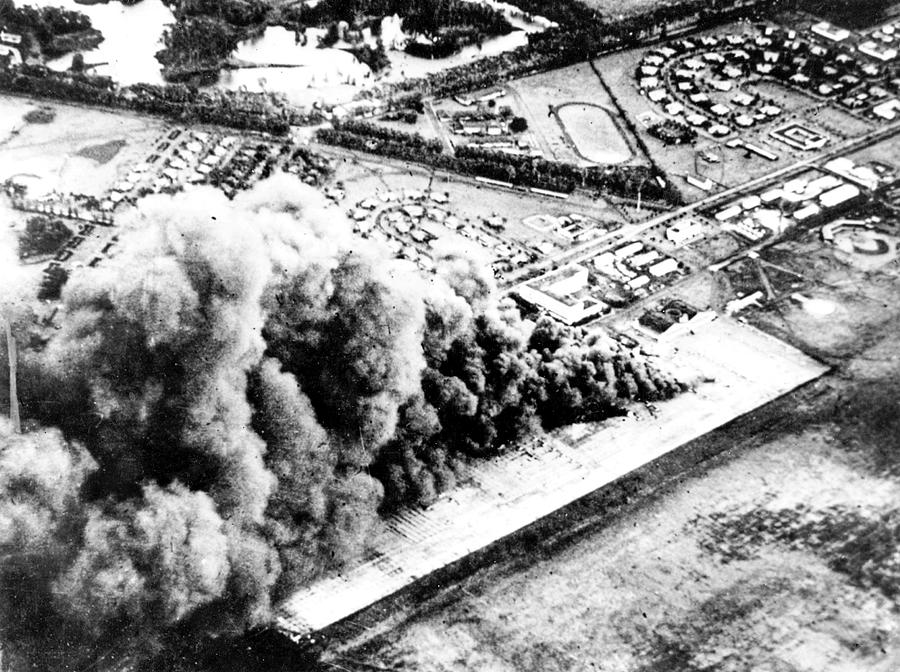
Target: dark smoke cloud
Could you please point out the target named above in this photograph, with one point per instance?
(239, 395)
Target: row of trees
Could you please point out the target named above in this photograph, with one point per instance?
(238, 110)
(583, 33)
(425, 17)
(526, 171)
(205, 33)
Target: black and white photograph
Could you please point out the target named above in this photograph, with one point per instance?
(449, 336)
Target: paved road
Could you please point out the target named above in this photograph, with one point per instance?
(587, 249)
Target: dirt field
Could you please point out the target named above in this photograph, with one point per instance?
(91, 148)
(661, 587)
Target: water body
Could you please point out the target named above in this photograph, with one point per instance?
(133, 35)
(301, 71)
(333, 76)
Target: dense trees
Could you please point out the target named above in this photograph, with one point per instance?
(527, 171)
(518, 125)
(41, 24)
(197, 41)
(375, 57)
(239, 110)
(42, 235)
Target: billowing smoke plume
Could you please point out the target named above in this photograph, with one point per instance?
(238, 395)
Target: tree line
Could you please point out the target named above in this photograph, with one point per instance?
(582, 34)
(243, 111)
(519, 170)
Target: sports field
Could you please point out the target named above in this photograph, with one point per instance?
(593, 133)
(570, 112)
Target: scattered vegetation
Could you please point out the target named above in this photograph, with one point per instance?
(860, 544)
(42, 115)
(240, 110)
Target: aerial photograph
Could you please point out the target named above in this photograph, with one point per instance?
(449, 335)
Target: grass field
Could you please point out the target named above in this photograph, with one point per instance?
(538, 94)
(659, 586)
(81, 151)
(619, 7)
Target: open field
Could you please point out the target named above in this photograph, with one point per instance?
(862, 300)
(75, 152)
(655, 583)
(618, 7)
(565, 134)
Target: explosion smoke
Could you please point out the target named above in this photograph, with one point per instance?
(238, 394)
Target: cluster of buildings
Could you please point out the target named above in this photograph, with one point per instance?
(410, 222)
(202, 157)
(183, 157)
(804, 200)
(580, 292)
(698, 81)
(573, 227)
(484, 127)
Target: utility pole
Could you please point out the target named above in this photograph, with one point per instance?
(13, 395)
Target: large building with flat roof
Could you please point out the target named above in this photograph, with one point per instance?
(565, 294)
